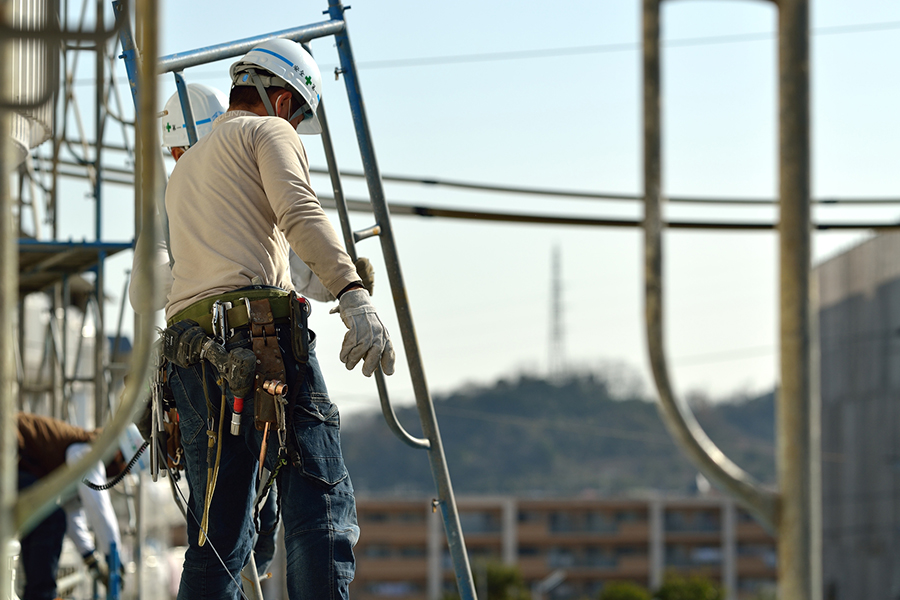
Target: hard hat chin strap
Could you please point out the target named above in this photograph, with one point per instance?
(257, 82)
(261, 81)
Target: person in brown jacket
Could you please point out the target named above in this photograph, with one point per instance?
(45, 444)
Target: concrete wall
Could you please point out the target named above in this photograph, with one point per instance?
(859, 319)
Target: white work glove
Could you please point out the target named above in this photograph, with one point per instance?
(367, 337)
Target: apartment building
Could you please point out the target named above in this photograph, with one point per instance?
(578, 543)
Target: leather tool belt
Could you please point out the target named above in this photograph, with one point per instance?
(260, 309)
(201, 311)
(269, 362)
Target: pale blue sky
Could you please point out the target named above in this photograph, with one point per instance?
(480, 293)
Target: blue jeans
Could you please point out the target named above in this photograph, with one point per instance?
(318, 509)
(41, 549)
(264, 548)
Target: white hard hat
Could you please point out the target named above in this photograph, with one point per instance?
(206, 104)
(130, 442)
(283, 63)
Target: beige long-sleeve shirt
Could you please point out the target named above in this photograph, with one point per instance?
(235, 201)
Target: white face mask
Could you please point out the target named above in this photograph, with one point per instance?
(299, 113)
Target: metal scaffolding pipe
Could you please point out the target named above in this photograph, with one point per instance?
(9, 283)
(795, 512)
(438, 462)
(182, 60)
(35, 502)
(340, 204)
(676, 414)
(798, 411)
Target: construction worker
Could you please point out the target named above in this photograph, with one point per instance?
(44, 444)
(207, 104)
(235, 201)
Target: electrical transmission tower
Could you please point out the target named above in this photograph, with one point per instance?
(557, 356)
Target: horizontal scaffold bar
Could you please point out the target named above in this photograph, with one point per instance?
(201, 56)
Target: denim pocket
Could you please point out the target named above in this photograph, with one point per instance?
(317, 429)
(185, 384)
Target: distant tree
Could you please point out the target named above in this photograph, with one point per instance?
(765, 594)
(623, 590)
(676, 587)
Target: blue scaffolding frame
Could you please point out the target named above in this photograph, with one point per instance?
(431, 442)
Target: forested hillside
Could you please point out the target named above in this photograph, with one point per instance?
(535, 437)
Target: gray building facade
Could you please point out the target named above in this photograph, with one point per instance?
(859, 332)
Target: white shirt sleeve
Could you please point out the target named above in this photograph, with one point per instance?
(97, 505)
(305, 281)
(77, 527)
(142, 300)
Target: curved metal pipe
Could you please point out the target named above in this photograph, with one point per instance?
(427, 417)
(37, 501)
(390, 417)
(679, 419)
(340, 203)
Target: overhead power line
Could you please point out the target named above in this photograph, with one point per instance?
(536, 191)
(506, 217)
(572, 50)
(121, 177)
(619, 47)
(584, 195)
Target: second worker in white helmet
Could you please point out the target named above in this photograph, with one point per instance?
(235, 202)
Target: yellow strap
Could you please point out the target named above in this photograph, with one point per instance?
(212, 474)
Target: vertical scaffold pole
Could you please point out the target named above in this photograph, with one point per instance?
(436, 458)
(101, 398)
(799, 440)
(9, 284)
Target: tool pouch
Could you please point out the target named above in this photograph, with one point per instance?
(299, 328)
(269, 362)
(174, 449)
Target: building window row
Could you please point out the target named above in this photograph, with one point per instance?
(693, 521)
(765, 552)
(597, 521)
(392, 517)
(391, 551)
(393, 589)
(682, 555)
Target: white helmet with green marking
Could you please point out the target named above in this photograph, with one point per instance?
(283, 63)
(207, 104)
